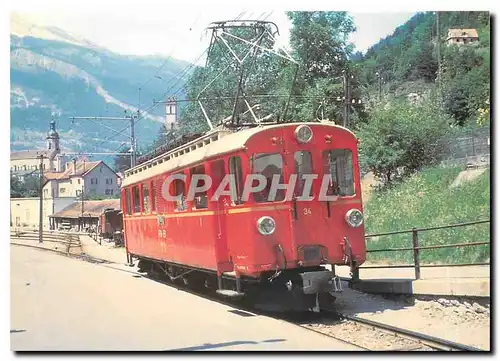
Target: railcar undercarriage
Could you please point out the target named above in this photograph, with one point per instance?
(291, 290)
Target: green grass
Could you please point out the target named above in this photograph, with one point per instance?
(425, 200)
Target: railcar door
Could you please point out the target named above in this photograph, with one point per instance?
(309, 221)
(223, 260)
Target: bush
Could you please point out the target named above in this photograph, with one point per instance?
(400, 139)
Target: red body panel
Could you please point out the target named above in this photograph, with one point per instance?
(224, 237)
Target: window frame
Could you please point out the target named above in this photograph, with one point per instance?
(238, 184)
(299, 185)
(128, 201)
(280, 192)
(146, 196)
(134, 205)
(195, 170)
(152, 187)
(326, 168)
(183, 202)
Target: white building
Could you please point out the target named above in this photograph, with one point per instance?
(93, 178)
(25, 212)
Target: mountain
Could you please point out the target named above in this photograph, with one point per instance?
(58, 75)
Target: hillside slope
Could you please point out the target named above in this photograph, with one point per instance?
(433, 197)
(407, 62)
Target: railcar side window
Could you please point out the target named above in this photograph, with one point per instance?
(217, 173)
(236, 185)
(338, 162)
(145, 197)
(303, 165)
(153, 196)
(200, 198)
(128, 200)
(180, 190)
(137, 199)
(268, 164)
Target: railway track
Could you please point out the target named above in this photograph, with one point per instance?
(413, 341)
(410, 340)
(328, 322)
(436, 343)
(71, 245)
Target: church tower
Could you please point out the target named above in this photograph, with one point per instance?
(52, 144)
(171, 114)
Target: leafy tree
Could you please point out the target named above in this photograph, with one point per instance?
(401, 139)
(319, 40)
(16, 187)
(122, 162)
(320, 44)
(456, 103)
(426, 65)
(29, 186)
(466, 81)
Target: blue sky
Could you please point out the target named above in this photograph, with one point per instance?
(179, 31)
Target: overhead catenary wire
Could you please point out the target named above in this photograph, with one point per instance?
(184, 72)
(158, 70)
(143, 113)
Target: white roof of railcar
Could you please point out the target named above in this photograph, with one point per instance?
(212, 144)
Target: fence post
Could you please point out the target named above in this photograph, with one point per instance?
(416, 252)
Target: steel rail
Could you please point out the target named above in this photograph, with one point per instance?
(42, 248)
(423, 338)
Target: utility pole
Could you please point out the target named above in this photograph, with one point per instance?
(379, 76)
(379, 88)
(133, 141)
(346, 97)
(40, 221)
(438, 53)
(82, 199)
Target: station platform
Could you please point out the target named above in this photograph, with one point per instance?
(463, 281)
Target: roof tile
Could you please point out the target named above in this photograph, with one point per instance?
(94, 208)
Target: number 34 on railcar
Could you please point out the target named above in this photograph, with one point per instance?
(264, 213)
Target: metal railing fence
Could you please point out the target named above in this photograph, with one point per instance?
(416, 248)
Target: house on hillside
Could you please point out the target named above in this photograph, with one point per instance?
(91, 178)
(462, 36)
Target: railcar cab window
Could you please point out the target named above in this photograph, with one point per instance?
(137, 199)
(145, 197)
(303, 166)
(236, 182)
(200, 198)
(128, 203)
(338, 163)
(179, 189)
(153, 196)
(268, 165)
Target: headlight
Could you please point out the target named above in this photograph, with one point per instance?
(266, 225)
(354, 218)
(303, 133)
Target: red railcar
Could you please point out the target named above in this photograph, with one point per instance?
(266, 250)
